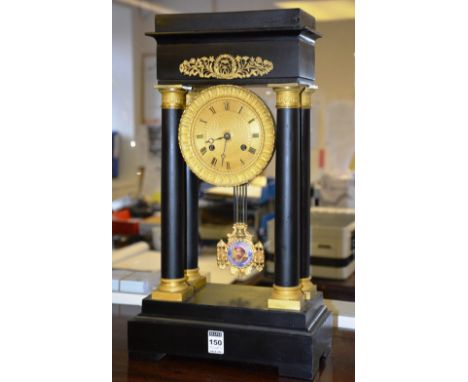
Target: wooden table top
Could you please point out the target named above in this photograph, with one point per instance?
(339, 366)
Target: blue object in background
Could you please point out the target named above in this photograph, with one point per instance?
(115, 154)
(268, 192)
(263, 226)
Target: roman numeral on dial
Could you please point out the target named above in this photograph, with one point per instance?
(226, 106)
(213, 162)
(212, 109)
(252, 150)
(203, 150)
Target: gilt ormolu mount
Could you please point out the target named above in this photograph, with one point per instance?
(286, 326)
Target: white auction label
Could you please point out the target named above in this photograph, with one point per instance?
(215, 342)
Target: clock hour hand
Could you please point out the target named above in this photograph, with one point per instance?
(211, 140)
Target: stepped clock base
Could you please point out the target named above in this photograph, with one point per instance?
(294, 342)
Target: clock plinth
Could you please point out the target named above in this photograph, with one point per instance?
(214, 129)
(293, 341)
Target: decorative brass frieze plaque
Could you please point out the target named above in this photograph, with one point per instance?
(226, 67)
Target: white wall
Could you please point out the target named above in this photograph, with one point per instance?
(334, 60)
(123, 103)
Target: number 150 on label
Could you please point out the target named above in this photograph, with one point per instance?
(215, 342)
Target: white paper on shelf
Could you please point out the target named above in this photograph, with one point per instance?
(129, 251)
(128, 298)
(117, 275)
(140, 282)
(146, 261)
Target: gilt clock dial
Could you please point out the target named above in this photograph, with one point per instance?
(227, 135)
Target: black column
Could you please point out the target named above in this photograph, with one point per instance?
(286, 200)
(304, 212)
(192, 185)
(172, 198)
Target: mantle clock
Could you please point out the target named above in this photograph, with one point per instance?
(216, 130)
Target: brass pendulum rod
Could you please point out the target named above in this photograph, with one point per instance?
(240, 204)
(244, 203)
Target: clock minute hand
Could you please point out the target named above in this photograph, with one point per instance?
(223, 155)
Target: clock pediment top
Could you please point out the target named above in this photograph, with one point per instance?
(264, 22)
(239, 48)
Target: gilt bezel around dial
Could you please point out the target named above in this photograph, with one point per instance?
(227, 135)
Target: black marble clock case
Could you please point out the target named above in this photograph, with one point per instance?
(292, 341)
